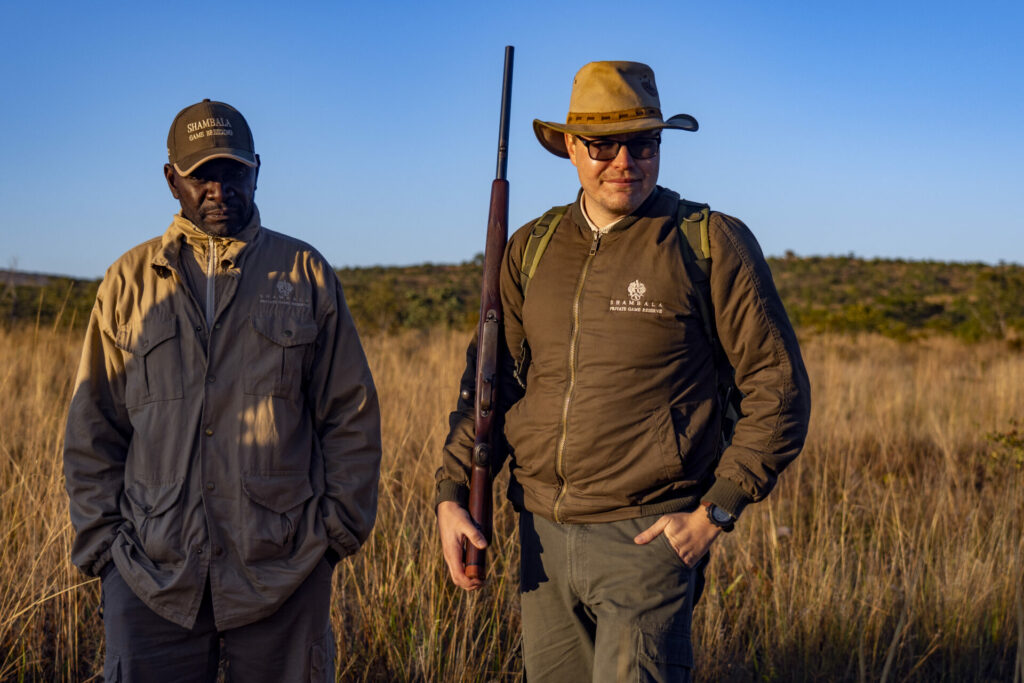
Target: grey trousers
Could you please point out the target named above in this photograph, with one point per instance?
(598, 607)
(296, 643)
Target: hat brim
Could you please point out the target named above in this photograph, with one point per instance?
(188, 164)
(550, 134)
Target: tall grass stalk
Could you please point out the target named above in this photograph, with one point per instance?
(891, 550)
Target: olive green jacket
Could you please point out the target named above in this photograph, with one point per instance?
(241, 453)
(619, 418)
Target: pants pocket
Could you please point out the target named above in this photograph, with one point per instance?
(321, 659)
(664, 655)
(112, 669)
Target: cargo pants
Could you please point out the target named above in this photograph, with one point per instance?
(294, 644)
(598, 607)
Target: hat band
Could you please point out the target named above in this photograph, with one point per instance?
(613, 116)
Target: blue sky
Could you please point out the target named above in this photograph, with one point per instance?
(880, 129)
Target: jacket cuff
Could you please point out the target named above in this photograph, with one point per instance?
(96, 568)
(727, 495)
(453, 491)
(343, 544)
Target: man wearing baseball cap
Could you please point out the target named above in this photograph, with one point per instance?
(626, 313)
(222, 450)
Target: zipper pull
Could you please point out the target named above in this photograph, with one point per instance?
(595, 243)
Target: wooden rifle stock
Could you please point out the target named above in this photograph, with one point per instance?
(481, 498)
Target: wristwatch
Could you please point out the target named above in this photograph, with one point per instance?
(720, 518)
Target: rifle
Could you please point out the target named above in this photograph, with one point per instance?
(481, 498)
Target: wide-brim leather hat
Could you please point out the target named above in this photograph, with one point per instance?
(610, 98)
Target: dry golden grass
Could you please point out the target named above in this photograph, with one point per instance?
(891, 550)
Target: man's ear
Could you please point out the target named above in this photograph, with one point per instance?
(570, 148)
(170, 175)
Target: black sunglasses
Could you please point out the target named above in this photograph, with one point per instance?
(603, 149)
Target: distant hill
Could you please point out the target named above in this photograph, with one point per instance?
(48, 299)
(845, 294)
(901, 298)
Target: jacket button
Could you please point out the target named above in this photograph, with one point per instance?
(287, 333)
(218, 551)
(199, 550)
(210, 486)
(211, 379)
(208, 432)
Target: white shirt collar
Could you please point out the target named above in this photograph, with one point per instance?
(591, 223)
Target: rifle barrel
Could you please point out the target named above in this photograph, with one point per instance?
(506, 105)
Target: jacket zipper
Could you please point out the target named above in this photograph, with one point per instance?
(211, 262)
(574, 341)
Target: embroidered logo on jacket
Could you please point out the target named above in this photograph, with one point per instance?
(284, 294)
(636, 302)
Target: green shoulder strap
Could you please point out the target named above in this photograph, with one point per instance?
(693, 220)
(537, 242)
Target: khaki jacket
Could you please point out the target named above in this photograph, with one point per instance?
(241, 453)
(619, 417)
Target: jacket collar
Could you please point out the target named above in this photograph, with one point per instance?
(229, 249)
(645, 210)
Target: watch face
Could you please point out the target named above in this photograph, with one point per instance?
(720, 515)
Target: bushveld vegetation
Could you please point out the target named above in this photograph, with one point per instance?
(894, 298)
(892, 549)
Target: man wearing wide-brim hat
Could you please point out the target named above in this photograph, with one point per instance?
(626, 314)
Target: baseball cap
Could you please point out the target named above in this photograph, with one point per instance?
(209, 130)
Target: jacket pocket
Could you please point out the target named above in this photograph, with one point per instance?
(157, 528)
(672, 451)
(276, 354)
(276, 502)
(153, 366)
(684, 446)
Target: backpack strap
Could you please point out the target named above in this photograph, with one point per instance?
(537, 242)
(694, 222)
